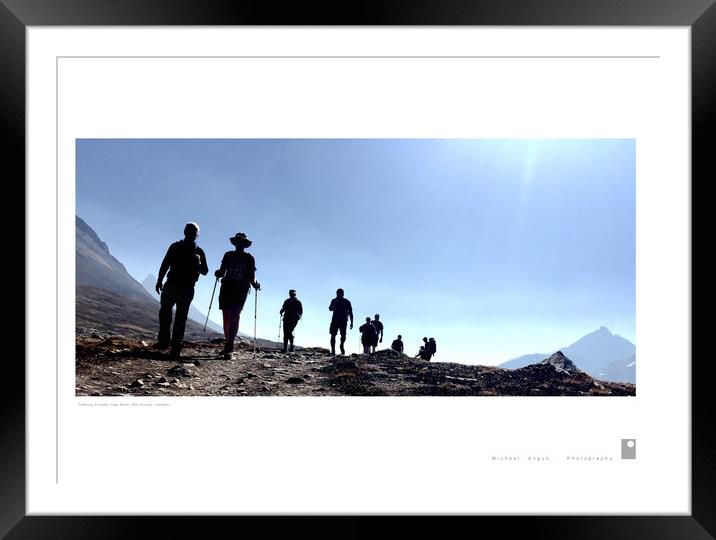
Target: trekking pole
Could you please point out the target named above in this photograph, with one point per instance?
(279, 327)
(256, 308)
(210, 302)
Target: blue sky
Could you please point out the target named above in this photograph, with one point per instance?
(496, 248)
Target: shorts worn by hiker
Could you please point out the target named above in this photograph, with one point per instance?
(181, 295)
(337, 326)
(233, 293)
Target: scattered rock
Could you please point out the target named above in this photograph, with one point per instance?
(174, 381)
(295, 380)
(164, 384)
(144, 344)
(180, 370)
(162, 380)
(136, 384)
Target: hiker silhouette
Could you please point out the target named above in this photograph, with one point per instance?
(432, 347)
(238, 274)
(369, 335)
(424, 353)
(292, 311)
(397, 344)
(342, 311)
(184, 261)
(378, 331)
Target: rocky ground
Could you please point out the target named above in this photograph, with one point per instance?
(111, 365)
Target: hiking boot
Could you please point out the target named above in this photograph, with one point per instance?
(175, 354)
(290, 349)
(160, 345)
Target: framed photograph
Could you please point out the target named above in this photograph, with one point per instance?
(396, 263)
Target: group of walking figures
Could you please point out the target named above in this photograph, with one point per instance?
(185, 261)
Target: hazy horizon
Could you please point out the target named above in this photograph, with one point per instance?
(497, 248)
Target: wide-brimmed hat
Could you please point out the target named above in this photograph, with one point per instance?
(240, 239)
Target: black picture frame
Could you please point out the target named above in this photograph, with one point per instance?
(17, 15)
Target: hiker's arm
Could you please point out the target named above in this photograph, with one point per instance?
(163, 269)
(330, 308)
(203, 267)
(350, 314)
(222, 269)
(252, 280)
(300, 309)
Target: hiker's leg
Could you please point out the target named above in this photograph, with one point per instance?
(184, 298)
(167, 301)
(343, 341)
(333, 344)
(286, 334)
(226, 314)
(233, 327)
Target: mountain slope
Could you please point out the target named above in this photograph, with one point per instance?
(95, 266)
(623, 370)
(522, 361)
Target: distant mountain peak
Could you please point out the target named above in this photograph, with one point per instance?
(149, 282)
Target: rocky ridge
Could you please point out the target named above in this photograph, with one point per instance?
(110, 365)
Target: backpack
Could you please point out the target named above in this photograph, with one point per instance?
(432, 346)
(369, 330)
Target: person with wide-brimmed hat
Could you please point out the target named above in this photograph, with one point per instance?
(238, 274)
